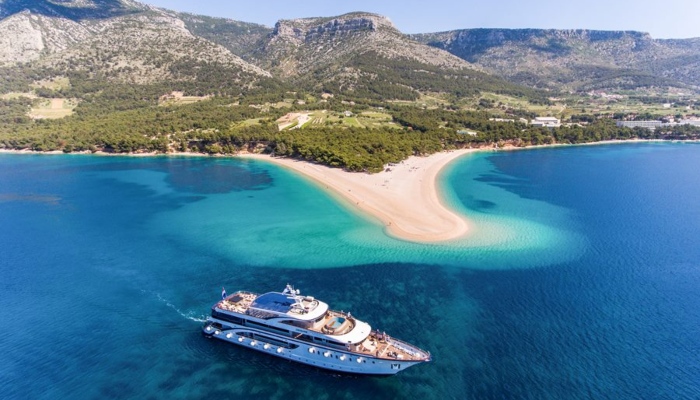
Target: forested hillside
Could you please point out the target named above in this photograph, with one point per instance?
(348, 91)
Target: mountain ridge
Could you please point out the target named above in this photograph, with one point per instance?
(573, 58)
(143, 45)
(335, 51)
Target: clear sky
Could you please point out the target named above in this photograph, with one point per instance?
(663, 19)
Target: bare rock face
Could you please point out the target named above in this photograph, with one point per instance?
(20, 40)
(26, 37)
(308, 29)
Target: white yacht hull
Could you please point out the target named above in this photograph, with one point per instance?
(305, 353)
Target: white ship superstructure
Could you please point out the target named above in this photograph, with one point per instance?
(304, 329)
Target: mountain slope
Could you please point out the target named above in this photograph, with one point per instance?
(147, 47)
(574, 59)
(241, 38)
(299, 46)
(363, 54)
(26, 36)
(75, 10)
(121, 41)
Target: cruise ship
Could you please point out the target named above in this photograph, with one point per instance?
(303, 329)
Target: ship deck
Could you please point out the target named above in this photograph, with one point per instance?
(377, 344)
(238, 302)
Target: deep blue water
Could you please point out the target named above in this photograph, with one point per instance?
(581, 279)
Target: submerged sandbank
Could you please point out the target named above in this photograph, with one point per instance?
(404, 197)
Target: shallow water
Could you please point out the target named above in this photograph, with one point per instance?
(581, 278)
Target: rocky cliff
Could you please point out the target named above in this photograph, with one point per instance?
(302, 45)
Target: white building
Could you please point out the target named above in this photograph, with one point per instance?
(656, 124)
(547, 122)
(695, 122)
(640, 124)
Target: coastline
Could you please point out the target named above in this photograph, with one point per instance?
(404, 197)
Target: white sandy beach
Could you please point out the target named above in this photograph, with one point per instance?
(405, 199)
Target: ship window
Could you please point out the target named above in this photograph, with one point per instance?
(267, 327)
(227, 318)
(305, 337)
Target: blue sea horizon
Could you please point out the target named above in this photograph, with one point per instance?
(581, 278)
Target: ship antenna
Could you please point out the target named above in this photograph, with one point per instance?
(288, 290)
(294, 295)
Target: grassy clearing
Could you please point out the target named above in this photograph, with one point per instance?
(319, 118)
(251, 122)
(428, 101)
(178, 99)
(352, 121)
(57, 83)
(267, 106)
(376, 115)
(186, 100)
(554, 110)
(52, 108)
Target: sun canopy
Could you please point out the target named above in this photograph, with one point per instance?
(273, 301)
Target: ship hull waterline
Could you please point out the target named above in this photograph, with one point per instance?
(305, 353)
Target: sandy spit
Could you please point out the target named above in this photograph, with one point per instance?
(404, 197)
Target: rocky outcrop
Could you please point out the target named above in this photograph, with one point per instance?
(26, 37)
(310, 29)
(299, 46)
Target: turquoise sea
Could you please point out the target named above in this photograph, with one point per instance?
(581, 278)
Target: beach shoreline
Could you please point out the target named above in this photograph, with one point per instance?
(404, 197)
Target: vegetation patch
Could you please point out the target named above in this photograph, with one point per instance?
(56, 84)
(17, 95)
(178, 98)
(52, 108)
